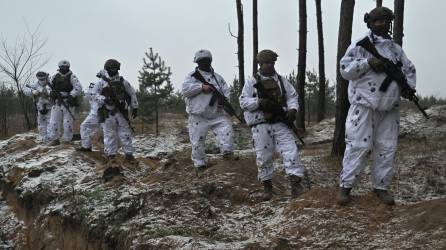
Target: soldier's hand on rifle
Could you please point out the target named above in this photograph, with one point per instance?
(407, 93)
(53, 94)
(108, 101)
(206, 88)
(376, 64)
(134, 113)
(290, 115)
(35, 92)
(71, 100)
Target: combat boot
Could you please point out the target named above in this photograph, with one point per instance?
(54, 143)
(129, 158)
(228, 155)
(384, 196)
(344, 196)
(296, 186)
(267, 190)
(200, 169)
(111, 158)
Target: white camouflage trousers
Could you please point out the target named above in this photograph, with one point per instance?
(198, 129)
(88, 128)
(42, 125)
(374, 132)
(59, 116)
(116, 129)
(276, 137)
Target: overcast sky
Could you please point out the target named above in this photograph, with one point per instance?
(87, 32)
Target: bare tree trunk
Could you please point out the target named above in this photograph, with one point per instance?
(301, 65)
(4, 110)
(342, 104)
(240, 52)
(320, 37)
(255, 37)
(21, 97)
(379, 3)
(308, 110)
(398, 26)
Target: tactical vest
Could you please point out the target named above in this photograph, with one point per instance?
(273, 90)
(118, 89)
(62, 83)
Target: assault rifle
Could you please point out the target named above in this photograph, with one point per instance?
(394, 73)
(110, 94)
(59, 98)
(217, 95)
(277, 111)
(44, 94)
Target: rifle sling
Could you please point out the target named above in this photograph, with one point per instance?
(197, 75)
(370, 47)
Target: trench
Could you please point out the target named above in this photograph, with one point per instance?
(44, 231)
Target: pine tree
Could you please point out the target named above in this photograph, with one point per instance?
(155, 85)
(234, 93)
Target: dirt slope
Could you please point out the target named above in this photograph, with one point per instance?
(56, 198)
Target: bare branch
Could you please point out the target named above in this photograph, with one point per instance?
(229, 28)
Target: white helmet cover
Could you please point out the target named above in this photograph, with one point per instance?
(202, 54)
(64, 63)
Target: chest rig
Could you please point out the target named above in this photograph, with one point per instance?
(118, 90)
(62, 83)
(275, 91)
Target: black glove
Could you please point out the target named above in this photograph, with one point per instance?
(53, 94)
(108, 101)
(71, 100)
(377, 65)
(407, 93)
(290, 115)
(134, 113)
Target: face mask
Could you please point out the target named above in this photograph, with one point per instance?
(205, 64)
(381, 28)
(267, 69)
(112, 73)
(64, 70)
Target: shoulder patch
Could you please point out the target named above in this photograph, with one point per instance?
(91, 85)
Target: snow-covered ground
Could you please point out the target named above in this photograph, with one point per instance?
(161, 202)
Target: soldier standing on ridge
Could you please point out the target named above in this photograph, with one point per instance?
(372, 123)
(270, 103)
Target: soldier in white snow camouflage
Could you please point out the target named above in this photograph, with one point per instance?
(91, 123)
(114, 97)
(41, 94)
(372, 124)
(269, 131)
(204, 111)
(64, 84)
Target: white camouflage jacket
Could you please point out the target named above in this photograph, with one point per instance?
(43, 100)
(364, 83)
(197, 102)
(99, 100)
